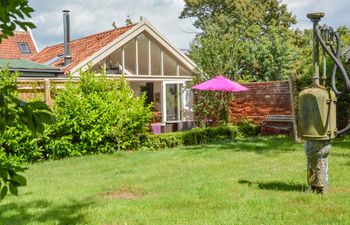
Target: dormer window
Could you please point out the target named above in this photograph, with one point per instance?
(23, 46)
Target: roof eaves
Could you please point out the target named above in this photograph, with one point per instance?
(36, 70)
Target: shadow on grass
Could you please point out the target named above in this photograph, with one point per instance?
(276, 185)
(271, 144)
(42, 211)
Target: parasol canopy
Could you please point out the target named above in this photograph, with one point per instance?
(220, 83)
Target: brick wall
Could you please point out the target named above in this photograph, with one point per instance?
(262, 99)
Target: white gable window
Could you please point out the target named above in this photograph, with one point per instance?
(143, 56)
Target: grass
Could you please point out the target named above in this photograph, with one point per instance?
(249, 181)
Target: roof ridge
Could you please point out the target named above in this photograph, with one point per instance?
(107, 31)
(92, 35)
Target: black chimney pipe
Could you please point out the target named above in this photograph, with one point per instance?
(66, 30)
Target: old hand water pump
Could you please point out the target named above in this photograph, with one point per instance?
(317, 105)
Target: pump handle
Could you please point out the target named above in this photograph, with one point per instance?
(334, 53)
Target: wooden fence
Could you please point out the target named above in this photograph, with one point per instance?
(40, 89)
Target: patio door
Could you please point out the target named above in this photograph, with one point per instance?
(175, 101)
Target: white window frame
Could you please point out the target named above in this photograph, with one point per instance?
(163, 99)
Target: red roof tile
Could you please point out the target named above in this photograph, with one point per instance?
(9, 47)
(80, 49)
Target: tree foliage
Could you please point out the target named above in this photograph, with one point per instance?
(33, 115)
(13, 14)
(13, 110)
(244, 40)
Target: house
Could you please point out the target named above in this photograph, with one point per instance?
(15, 52)
(138, 52)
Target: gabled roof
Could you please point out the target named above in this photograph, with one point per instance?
(92, 49)
(143, 26)
(10, 49)
(80, 49)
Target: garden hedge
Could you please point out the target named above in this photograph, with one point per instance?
(196, 136)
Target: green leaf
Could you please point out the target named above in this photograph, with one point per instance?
(39, 105)
(45, 117)
(3, 172)
(13, 189)
(20, 169)
(3, 192)
(20, 180)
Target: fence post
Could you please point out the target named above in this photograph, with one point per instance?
(47, 95)
(294, 107)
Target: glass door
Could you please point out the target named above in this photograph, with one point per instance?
(172, 97)
(176, 101)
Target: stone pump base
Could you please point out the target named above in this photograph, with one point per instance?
(317, 164)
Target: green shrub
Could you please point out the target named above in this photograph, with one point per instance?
(18, 143)
(247, 128)
(97, 115)
(94, 115)
(195, 136)
(160, 141)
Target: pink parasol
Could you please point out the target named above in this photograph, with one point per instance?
(220, 83)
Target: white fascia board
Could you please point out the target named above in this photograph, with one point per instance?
(32, 37)
(108, 49)
(144, 25)
(152, 78)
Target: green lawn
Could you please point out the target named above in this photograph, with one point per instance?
(250, 181)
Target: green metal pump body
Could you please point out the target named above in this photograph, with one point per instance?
(317, 113)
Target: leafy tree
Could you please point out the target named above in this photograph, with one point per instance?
(13, 110)
(245, 40)
(12, 15)
(242, 39)
(344, 33)
(302, 41)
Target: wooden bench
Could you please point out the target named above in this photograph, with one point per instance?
(277, 124)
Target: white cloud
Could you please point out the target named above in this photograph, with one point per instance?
(92, 16)
(336, 11)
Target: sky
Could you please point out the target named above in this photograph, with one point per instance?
(93, 16)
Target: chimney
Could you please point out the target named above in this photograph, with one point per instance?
(66, 30)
